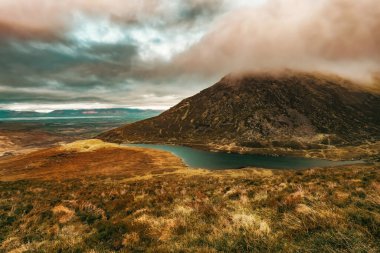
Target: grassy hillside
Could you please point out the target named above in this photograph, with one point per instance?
(147, 205)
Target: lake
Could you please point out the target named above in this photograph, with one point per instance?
(196, 158)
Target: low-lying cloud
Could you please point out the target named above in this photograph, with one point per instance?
(156, 52)
(338, 36)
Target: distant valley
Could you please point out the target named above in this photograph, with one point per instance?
(26, 131)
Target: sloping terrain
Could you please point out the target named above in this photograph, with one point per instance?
(91, 196)
(87, 158)
(287, 109)
(146, 206)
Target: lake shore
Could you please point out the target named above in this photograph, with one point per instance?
(367, 152)
(99, 197)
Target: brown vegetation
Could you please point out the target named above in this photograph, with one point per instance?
(83, 201)
(14, 142)
(86, 158)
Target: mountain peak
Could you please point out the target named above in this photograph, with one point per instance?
(282, 109)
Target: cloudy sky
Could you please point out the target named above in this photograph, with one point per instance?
(153, 53)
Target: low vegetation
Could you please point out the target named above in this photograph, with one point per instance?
(183, 210)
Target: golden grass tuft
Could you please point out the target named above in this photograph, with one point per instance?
(65, 214)
(89, 145)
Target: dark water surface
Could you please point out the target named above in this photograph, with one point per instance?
(196, 158)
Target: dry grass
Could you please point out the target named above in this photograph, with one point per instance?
(90, 145)
(368, 151)
(182, 210)
(16, 142)
(87, 158)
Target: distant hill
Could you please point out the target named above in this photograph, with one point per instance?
(287, 109)
(122, 113)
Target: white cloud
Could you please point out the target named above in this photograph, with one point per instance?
(155, 43)
(87, 30)
(230, 5)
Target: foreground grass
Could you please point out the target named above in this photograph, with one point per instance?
(321, 210)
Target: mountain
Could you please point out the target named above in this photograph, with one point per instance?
(286, 109)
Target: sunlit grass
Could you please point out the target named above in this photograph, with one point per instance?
(326, 210)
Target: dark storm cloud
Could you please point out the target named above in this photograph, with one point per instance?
(155, 52)
(55, 45)
(21, 97)
(49, 20)
(29, 64)
(102, 48)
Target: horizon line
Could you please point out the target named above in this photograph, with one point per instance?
(60, 107)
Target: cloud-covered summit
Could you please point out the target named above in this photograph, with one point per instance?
(152, 53)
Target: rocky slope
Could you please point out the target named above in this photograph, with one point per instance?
(287, 109)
